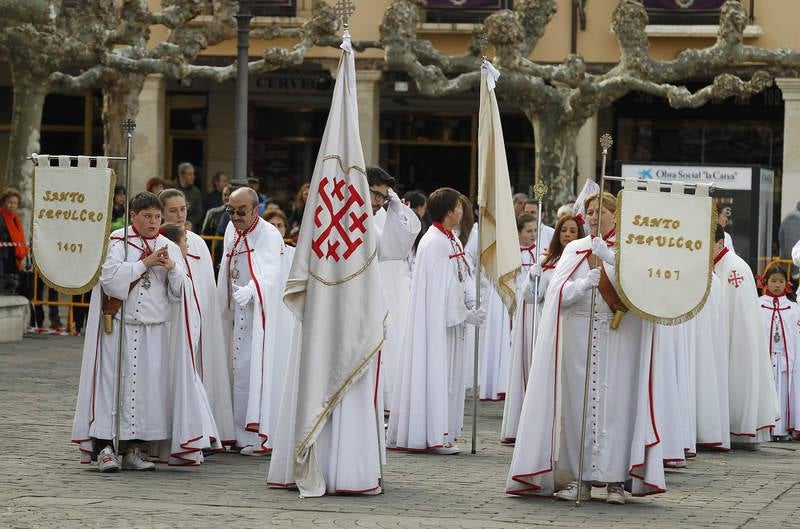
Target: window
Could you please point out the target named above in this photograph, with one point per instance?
(687, 11)
(463, 10)
(270, 8)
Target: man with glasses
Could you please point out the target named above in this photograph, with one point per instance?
(397, 227)
(250, 290)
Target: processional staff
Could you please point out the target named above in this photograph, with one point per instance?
(605, 143)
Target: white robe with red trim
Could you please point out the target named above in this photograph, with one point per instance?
(710, 344)
(495, 339)
(621, 438)
(751, 391)
(397, 230)
(669, 406)
(211, 354)
(163, 401)
(429, 388)
(781, 320)
(251, 330)
(521, 351)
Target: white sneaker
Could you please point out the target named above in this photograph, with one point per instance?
(570, 492)
(250, 450)
(616, 494)
(135, 460)
(446, 450)
(107, 461)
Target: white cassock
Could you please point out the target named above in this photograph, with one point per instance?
(751, 390)
(781, 319)
(429, 388)
(669, 406)
(621, 440)
(211, 354)
(471, 254)
(397, 230)
(163, 400)
(710, 345)
(253, 255)
(495, 339)
(521, 348)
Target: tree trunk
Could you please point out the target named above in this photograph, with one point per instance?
(26, 122)
(120, 102)
(555, 158)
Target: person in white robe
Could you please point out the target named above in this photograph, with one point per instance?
(428, 412)
(495, 356)
(532, 208)
(781, 320)
(398, 227)
(249, 289)
(522, 349)
(752, 400)
(211, 360)
(710, 350)
(621, 443)
(669, 409)
(164, 411)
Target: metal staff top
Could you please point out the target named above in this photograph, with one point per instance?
(344, 9)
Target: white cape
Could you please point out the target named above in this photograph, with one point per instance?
(751, 390)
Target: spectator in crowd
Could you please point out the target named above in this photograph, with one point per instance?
(254, 183)
(566, 209)
(519, 200)
(13, 248)
(789, 233)
(272, 204)
(277, 218)
(298, 207)
(155, 185)
(214, 214)
(194, 198)
(214, 198)
(118, 210)
(419, 203)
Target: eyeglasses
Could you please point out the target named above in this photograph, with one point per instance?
(377, 196)
(237, 212)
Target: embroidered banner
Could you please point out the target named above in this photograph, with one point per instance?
(71, 221)
(664, 251)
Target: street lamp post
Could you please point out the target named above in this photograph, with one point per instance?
(240, 115)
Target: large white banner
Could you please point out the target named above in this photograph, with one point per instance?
(665, 248)
(71, 221)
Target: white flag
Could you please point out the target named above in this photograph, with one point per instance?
(334, 284)
(499, 244)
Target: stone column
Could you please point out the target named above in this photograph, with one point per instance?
(790, 188)
(149, 140)
(586, 150)
(369, 113)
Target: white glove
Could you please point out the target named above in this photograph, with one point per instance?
(601, 251)
(476, 317)
(394, 201)
(585, 284)
(535, 271)
(244, 294)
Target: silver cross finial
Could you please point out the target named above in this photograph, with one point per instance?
(344, 9)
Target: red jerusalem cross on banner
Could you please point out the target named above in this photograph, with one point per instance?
(343, 214)
(735, 278)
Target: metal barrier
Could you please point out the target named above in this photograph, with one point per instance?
(787, 263)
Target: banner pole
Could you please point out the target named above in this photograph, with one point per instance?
(475, 392)
(605, 143)
(539, 191)
(128, 126)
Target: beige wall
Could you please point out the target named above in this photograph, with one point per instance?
(776, 18)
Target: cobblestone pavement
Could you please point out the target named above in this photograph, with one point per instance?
(42, 484)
